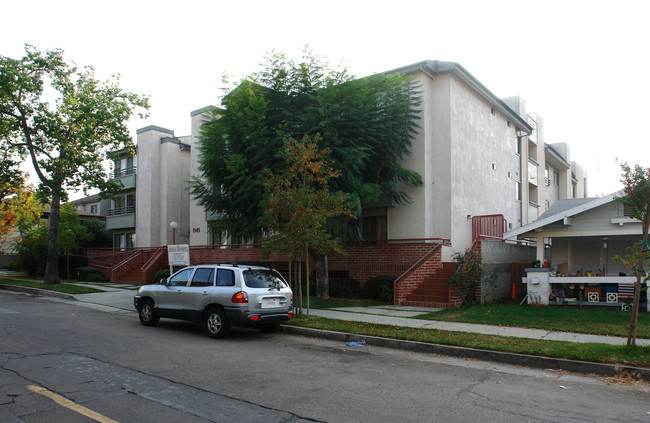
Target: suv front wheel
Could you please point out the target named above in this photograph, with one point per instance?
(147, 314)
(215, 323)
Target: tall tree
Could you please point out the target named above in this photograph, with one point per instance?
(66, 122)
(298, 203)
(636, 185)
(367, 123)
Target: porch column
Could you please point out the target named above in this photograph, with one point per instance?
(540, 249)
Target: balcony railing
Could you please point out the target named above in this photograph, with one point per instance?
(119, 211)
(124, 172)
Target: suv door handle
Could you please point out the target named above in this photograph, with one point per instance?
(204, 293)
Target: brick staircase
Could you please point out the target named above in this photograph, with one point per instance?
(433, 290)
(136, 267)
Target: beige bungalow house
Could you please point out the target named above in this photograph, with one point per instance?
(577, 240)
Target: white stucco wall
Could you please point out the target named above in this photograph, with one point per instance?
(483, 172)
(430, 158)
(198, 223)
(467, 158)
(162, 195)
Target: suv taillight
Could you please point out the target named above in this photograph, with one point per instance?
(240, 297)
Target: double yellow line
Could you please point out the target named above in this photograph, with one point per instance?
(64, 402)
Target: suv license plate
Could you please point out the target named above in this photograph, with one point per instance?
(270, 303)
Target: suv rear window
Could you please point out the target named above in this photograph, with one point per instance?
(263, 278)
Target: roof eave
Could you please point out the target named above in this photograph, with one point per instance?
(432, 68)
(540, 223)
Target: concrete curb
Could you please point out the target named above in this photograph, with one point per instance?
(37, 291)
(540, 362)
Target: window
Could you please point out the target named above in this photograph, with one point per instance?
(263, 278)
(556, 178)
(519, 140)
(547, 176)
(215, 236)
(374, 228)
(124, 241)
(203, 277)
(518, 191)
(93, 209)
(125, 166)
(123, 204)
(180, 278)
(627, 211)
(225, 277)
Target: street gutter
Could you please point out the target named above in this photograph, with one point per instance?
(37, 291)
(534, 361)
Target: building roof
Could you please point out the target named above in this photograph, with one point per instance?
(432, 68)
(89, 199)
(560, 210)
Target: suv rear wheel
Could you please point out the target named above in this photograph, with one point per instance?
(215, 323)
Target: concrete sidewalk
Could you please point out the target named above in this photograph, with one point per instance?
(117, 296)
(387, 316)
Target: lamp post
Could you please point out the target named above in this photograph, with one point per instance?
(173, 225)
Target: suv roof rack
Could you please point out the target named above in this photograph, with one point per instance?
(219, 263)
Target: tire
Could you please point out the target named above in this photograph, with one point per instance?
(147, 314)
(215, 323)
(269, 327)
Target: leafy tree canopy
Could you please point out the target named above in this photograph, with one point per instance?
(63, 119)
(66, 122)
(366, 123)
(298, 202)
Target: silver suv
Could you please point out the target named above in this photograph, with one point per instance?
(219, 296)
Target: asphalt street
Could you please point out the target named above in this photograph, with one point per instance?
(105, 361)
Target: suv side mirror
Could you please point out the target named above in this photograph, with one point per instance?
(163, 281)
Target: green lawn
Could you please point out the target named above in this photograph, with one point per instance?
(66, 288)
(318, 303)
(600, 353)
(581, 320)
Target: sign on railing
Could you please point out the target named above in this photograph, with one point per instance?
(179, 255)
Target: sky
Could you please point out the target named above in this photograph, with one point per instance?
(583, 66)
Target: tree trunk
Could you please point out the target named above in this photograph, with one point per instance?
(300, 285)
(52, 263)
(307, 277)
(321, 274)
(640, 274)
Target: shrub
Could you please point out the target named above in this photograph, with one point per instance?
(380, 288)
(90, 274)
(76, 261)
(162, 274)
(345, 288)
(467, 276)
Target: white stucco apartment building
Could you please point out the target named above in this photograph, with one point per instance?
(477, 154)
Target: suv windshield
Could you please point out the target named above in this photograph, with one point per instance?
(263, 278)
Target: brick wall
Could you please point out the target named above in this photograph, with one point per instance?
(360, 262)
